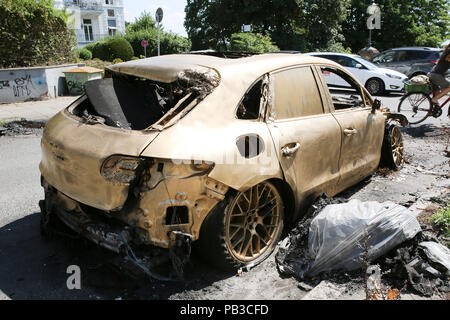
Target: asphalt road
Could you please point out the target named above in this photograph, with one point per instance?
(33, 268)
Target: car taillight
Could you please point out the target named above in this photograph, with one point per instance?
(433, 61)
(120, 169)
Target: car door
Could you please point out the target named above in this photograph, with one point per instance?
(359, 71)
(361, 131)
(306, 136)
(387, 59)
(406, 58)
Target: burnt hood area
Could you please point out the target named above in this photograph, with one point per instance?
(130, 102)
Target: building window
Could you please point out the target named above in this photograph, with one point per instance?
(87, 27)
(109, 1)
(110, 13)
(112, 23)
(112, 27)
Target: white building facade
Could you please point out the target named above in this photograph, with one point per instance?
(94, 20)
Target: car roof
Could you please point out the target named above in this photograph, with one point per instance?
(417, 48)
(166, 68)
(332, 54)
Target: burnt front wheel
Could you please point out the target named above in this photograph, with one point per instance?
(244, 228)
(392, 155)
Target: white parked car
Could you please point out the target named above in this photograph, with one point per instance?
(376, 80)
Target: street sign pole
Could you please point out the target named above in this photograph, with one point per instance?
(158, 42)
(374, 20)
(159, 16)
(144, 43)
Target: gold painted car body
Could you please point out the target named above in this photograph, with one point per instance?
(192, 160)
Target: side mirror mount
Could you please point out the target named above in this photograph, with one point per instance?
(376, 105)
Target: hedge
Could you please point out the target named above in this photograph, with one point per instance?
(112, 48)
(84, 54)
(33, 33)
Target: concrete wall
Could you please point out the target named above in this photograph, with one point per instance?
(27, 84)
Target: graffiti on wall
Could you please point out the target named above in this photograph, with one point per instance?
(4, 84)
(22, 86)
(75, 87)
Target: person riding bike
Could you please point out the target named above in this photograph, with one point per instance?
(437, 79)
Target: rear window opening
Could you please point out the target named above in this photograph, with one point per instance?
(249, 105)
(134, 103)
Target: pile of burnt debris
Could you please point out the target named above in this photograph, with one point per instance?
(22, 127)
(389, 239)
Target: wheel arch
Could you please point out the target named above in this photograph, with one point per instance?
(287, 194)
(375, 78)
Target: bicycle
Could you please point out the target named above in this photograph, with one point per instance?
(417, 106)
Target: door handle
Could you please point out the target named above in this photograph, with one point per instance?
(290, 149)
(350, 132)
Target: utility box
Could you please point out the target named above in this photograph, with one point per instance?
(77, 77)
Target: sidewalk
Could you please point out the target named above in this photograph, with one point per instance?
(34, 110)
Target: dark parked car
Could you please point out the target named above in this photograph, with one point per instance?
(412, 61)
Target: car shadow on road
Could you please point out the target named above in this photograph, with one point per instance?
(32, 267)
(423, 130)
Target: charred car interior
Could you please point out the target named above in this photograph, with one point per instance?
(215, 152)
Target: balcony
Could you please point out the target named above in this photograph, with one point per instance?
(90, 5)
(83, 38)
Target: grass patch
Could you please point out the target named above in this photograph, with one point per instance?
(441, 219)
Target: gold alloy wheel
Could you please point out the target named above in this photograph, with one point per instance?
(397, 146)
(254, 221)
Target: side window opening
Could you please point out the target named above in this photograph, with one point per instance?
(296, 94)
(344, 92)
(385, 57)
(248, 108)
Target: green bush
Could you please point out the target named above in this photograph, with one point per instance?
(252, 42)
(84, 54)
(33, 33)
(117, 60)
(112, 48)
(134, 58)
(119, 47)
(90, 46)
(441, 219)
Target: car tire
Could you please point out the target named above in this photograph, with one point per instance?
(235, 234)
(375, 86)
(46, 219)
(392, 153)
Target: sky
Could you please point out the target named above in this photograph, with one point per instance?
(173, 10)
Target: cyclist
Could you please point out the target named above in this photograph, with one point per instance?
(437, 78)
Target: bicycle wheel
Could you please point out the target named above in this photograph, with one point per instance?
(415, 106)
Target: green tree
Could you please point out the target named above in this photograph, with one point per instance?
(252, 42)
(303, 25)
(144, 28)
(403, 23)
(144, 22)
(33, 33)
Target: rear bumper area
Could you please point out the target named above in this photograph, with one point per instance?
(167, 199)
(73, 153)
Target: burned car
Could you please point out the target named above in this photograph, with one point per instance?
(217, 152)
